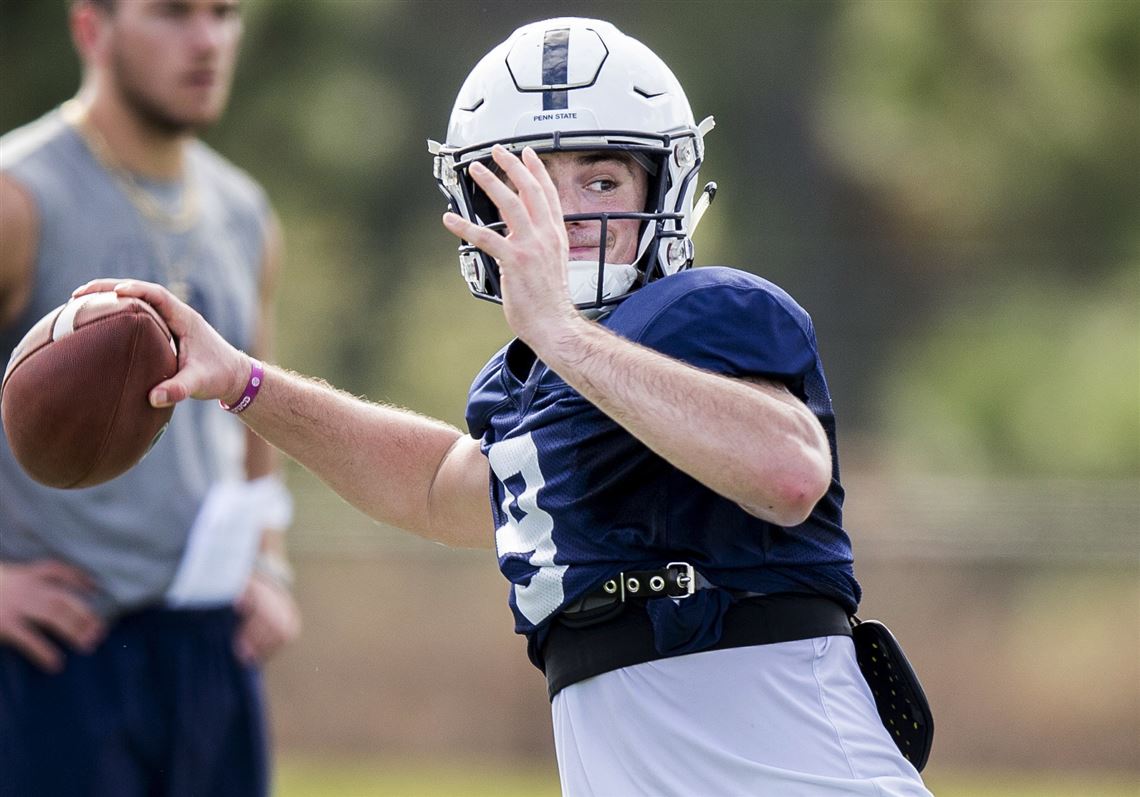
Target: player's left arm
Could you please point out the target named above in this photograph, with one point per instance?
(751, 441)
(270, 615)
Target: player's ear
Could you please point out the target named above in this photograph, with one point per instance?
(90, 29)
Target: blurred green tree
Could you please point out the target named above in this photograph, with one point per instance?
(1004, 141)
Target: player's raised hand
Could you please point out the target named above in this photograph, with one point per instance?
(532, 256)
(208, 366)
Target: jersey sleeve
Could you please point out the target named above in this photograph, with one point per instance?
(731, 323)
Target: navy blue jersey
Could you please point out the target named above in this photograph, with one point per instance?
(577, 499)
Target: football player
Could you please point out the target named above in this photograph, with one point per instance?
(659, 442)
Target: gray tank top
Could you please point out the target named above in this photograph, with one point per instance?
(130, 533)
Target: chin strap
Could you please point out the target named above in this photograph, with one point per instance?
(708, 194)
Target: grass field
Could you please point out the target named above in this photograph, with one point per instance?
(301, 778)
(323, 779)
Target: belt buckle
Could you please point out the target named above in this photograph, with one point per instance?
(687, 580)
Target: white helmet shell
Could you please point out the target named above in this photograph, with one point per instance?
(578, 84)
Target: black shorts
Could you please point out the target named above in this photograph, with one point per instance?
(161, 707)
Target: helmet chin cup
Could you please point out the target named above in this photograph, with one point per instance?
(571, 84)
(582, 275)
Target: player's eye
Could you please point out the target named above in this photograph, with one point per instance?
(225, 11)
(174, 9)
(603, 185)
(172, 12)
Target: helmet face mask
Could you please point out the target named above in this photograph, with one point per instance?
(568, 85)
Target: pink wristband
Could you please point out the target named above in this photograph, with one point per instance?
(256, 375)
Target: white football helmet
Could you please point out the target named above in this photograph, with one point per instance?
(579, 84)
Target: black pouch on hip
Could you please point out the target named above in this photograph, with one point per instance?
(898, 694)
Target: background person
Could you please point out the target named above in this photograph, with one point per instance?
(134, 614)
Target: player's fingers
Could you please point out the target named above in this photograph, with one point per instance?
(67, 617)
(489, 241)
(529, 190)
(151, 292)
(49, 596)
(170, 392)
(538, 170)
(100, 285)
(510, 206)
(208, 368)
(214, 370)
(272, 635)
(36, 647)
(245, 602)
(493, 185)
(270, 620)
(179, 316)
(245, 647)
(62, 574)
(257, 638)
(248, 607)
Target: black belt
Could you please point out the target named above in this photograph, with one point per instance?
(675, 580)
(589, 643)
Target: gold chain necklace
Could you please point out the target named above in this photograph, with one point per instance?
(178, 221)
(154, 214)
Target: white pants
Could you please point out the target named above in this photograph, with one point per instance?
(789, 719)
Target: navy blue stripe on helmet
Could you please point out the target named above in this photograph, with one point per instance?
(555, 67)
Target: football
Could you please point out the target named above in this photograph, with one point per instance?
(74, 396)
